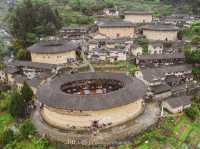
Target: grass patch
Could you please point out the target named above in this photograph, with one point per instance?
(5, 120)
(125, 147)
(144, 146)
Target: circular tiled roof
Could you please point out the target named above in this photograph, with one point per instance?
(160, 27)
(50, 93)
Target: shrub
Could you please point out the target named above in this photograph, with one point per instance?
(27, 129)
(191, 113)
(4, 104)
(17, 105)
(26, 92)
(6, 137)
(42, 143)
(196, 40)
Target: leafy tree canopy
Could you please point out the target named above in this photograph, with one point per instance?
(17, 105)
(26, 92)
(6, 137)
(27, 129)
(31, 20)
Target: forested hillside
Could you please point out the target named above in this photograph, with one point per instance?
(80, 12)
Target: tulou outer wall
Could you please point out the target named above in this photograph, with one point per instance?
(83, 119)
(138, 18)
(115, 32)
(55, 58)
(160, 35)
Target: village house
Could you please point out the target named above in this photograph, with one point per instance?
(109, 55)
(33, 83)
(156, 60)
(3, 76)
(136, 50)
(111, 12)
(34, 69)
(138, 16)
(162, 32)
(55, 52)
(73, 33)
(98, 54)
(180, 19)
(171, 75)
(117, 55)
(18, 72)
(10, 72)
(155, 47)
(116, 28)
(174, 47)
(110, 43)
(159, 92)
(97, 36)
(177, 104)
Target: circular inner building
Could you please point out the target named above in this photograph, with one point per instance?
(90, 100)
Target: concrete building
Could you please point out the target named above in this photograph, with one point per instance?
(177, 104)
(163, 32)
(116, 28)
(54, 52)
(138, 16)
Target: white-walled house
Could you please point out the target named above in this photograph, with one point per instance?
(155, 48)
(3, 76)
(137, 50)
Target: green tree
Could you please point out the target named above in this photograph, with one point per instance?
(26, 92)
(33, 19)
(6, 137)
(27, 129)
(195, 56)
(17, 105)
(23, 54)
(143, 42)
(109, 3)
(2, 51)
(89, 7)
(191, 112)
(41, 143)
(196, 40)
